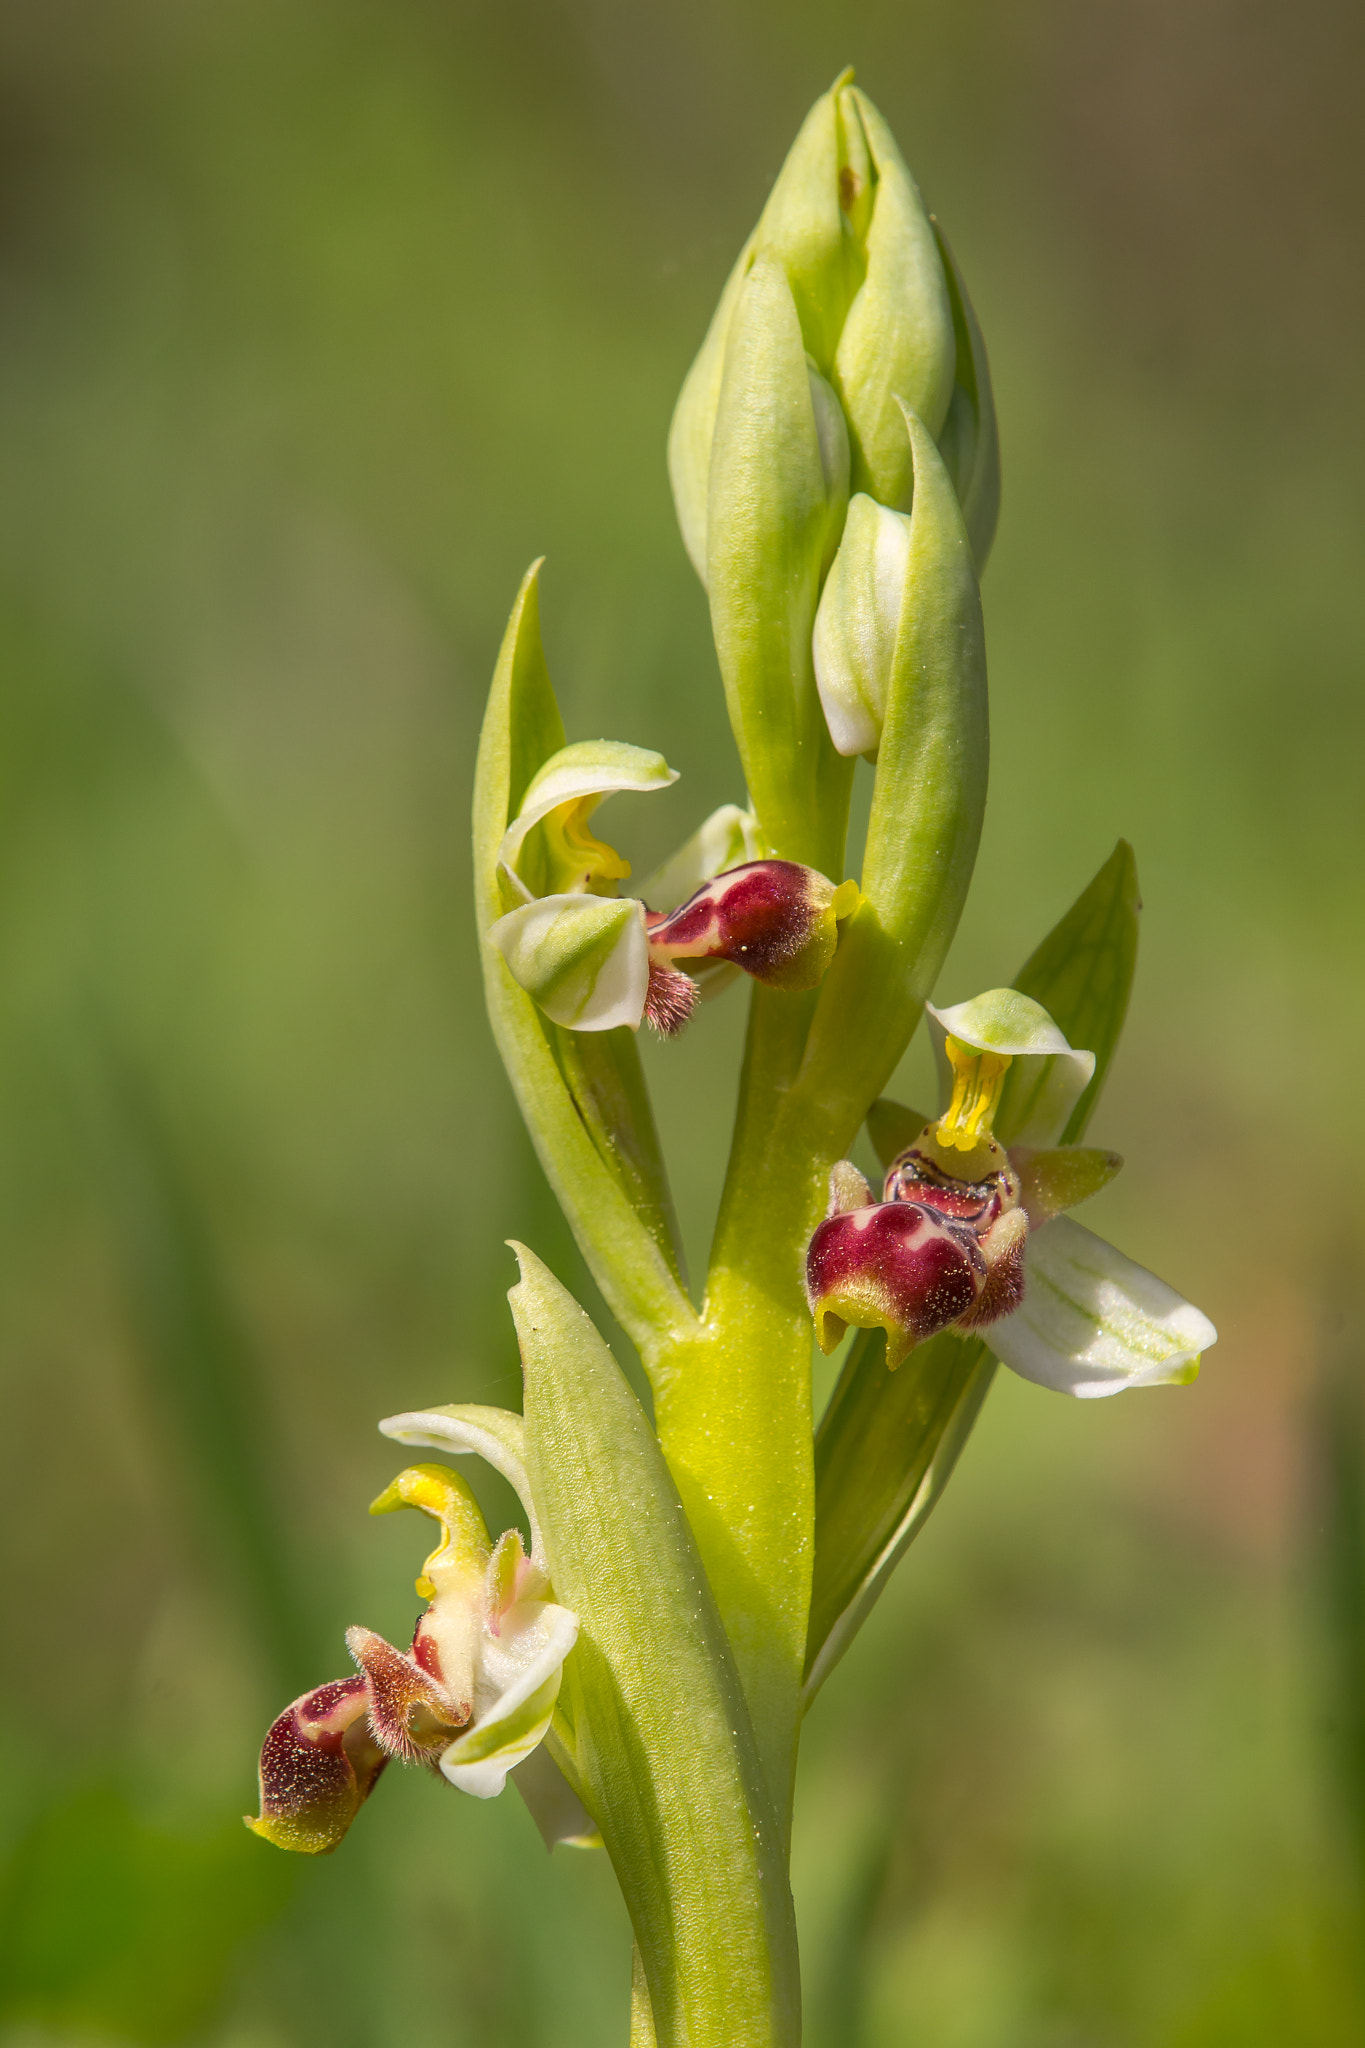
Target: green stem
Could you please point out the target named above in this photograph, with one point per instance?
(733, 1403)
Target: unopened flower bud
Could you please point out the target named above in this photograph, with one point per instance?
(847, 227)
(858, 621)
(897, 344)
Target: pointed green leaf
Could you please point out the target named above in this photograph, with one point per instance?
(1082, 973)
(883, 1453)
(656, 1732)
(585, 1106)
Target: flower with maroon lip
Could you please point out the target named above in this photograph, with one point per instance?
(470, 1698)
(969, 1236)
(594, 960)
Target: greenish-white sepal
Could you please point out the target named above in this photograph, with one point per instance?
(468, 1429)
(552, 1803)
(585, 768)
(897, 344)
(515, 1687)
(858, 621)
(1093, 1322)
(1003, 1021)
(727, 839)
(584, 959)
(694, 420)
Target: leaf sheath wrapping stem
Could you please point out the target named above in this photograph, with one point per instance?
(659, 1737)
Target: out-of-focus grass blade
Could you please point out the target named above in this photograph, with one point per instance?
(123, 1928)
(888, 1442)
(209, 1384)
(1338, 1450)
(654, 1729)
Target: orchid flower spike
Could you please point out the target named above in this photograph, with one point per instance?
(470, 1699)
(970, 1236)
(593, 960)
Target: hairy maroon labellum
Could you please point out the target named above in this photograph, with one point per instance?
(898, 1266)
(322, 1758)
(412, 1715)
(670, 998)
(319, 1764)
(941, 1249)
(774, 918)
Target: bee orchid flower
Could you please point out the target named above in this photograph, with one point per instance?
(470, 1698)
(972, 1236)
(594, 960)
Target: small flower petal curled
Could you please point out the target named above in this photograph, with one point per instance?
(584, 959)
(562, 796)
(1093, 1322)
(1050, 1075)
(319, 1764)
(1061, 1177)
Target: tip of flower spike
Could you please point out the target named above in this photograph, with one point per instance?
(670, 999)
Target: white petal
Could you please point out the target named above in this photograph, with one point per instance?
(1093, 1322)
(516, 1683)
(727, 839)
(1056, 1073)
(857, 622)
(494, 1434)
(584, 959)
(594, 768)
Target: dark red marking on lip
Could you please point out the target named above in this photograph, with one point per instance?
(899, 1265)
(770, 917)
(913, 1177)
(319, 1764)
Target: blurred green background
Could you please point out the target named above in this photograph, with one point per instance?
(318, 320)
